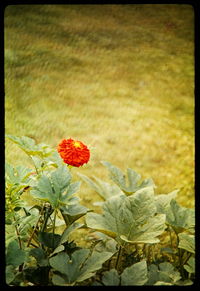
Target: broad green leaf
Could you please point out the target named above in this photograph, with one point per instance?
(26, 223)
(81, 266)
(168, 270)
(105, 190)
(133, 178)
(66, 234)
(180, 218)
(187, 242)
(14, 255)
(43, 190)
(93, 263)
(135, 275)
(111, 278)
(163, 201)
(18, 177)
(59, 249)
(129, 218)
(105, 243)
(73, 212)
(40, 256)
(163, 274)
(190, 266)
(10, 274)
(153, 274)
(55, 187)
(49, 240)
(28, 145)
(10, 232)
(54, 159)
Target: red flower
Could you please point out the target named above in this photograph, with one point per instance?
(73, 152)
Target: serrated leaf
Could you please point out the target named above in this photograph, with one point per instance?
(187, 242)
(73, 212)
(129, 218)
(79, 267)
(54, 188)
(105, 190)
(135, 275)
(29, 146)
(93, 263)
(68, 231)
(17, 176)
(180, 218)
(163, 201)
(131, 186)
(111, 278)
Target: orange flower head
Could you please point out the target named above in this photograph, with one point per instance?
(73, 152)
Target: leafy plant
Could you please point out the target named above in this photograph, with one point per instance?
(126, 238)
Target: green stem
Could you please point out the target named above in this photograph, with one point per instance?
(54, 224)
(34, 165)
(29, 241)
(118, 256)
(18, 234)
(187, 258)
(171, 243)
(20, 243)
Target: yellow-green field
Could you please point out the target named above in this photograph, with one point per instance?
(120, 78)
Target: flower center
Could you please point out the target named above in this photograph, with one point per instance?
(77, 144)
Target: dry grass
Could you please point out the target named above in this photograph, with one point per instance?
(118, 77)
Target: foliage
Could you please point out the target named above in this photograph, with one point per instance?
(125, 236)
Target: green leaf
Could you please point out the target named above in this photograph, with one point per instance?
(18, 176)
(40, 256)
(105, 190)
(10, 274)
(187, 242)
(180, 218)
(10, 233)
(14, 255)
(28, 145)
(111, 278)
(68, 231)
(120, 179)
(168, 273)
(190, 266)
(153, 274)
(81, 266)
(93, 263)
(163, 274)
(49, 240)
(55, 188)
(129, 218)
(135, 275)
(163, 201)
(73, 212)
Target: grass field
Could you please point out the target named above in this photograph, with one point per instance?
(120, 78)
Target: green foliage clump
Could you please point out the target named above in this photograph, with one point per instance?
(138, 238)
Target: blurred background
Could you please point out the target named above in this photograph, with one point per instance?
(119, 78)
